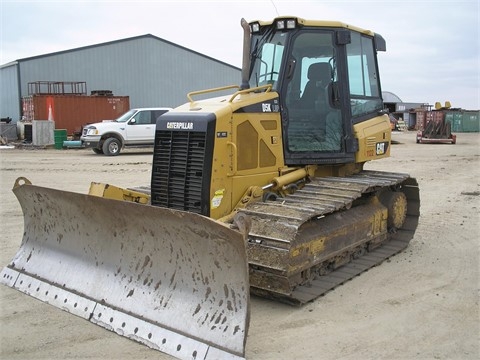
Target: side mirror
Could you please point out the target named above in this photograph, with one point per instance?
(132, 121)
(380, 43)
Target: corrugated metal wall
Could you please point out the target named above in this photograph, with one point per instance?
(9, 93)
(151, 71)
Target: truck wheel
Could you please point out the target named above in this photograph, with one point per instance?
(97, 151)
(112, 147)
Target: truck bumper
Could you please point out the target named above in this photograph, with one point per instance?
(90, 143)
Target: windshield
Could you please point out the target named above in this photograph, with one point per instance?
(125, 116)
(266, 59)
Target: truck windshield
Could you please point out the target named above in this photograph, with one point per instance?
(266, 58)
(125, 116)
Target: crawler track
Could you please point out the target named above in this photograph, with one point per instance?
(294, 239)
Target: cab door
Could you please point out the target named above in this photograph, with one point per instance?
(313, 118)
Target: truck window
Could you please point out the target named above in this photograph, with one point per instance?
(143, 117)
(156, 114)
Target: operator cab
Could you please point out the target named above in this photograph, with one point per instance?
(326, 75)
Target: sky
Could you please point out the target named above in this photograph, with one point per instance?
(432, 45)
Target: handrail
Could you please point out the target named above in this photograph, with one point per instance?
(190, 94)
(268, 88)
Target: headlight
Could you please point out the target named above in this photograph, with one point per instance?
(92, 131)
(254, 27)
(291, 24)
(283, 24)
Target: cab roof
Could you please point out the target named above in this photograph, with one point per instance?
(316, 23)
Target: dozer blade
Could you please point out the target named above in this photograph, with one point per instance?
(174, 281)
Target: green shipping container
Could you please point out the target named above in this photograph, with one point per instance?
(464, 120)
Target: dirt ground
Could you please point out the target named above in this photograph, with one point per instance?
(421, 304)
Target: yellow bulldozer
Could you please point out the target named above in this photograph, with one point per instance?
(261, 191)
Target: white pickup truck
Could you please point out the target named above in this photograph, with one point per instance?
(134, 128)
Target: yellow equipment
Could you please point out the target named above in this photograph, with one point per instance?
(262, 190)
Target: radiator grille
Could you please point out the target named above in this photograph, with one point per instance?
(177, 171)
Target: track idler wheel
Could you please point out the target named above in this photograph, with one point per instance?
(396, 203)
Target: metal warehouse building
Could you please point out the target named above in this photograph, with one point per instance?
(153, 72)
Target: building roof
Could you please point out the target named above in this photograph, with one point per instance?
(390, 97)
(116, 42)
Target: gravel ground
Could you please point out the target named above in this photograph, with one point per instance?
(421, 304)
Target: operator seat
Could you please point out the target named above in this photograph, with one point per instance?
(315, 92)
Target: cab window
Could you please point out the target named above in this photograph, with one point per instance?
(363, 78)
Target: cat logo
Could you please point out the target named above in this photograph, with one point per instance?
(180, 125)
